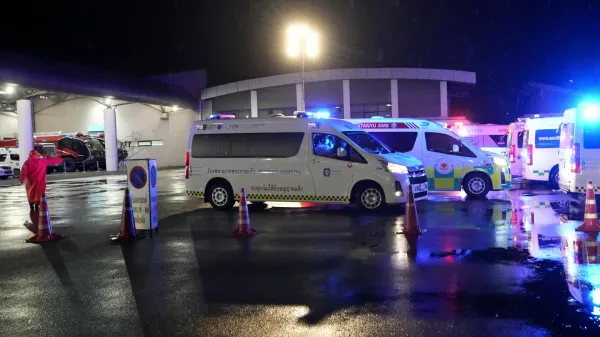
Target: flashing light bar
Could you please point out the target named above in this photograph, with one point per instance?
(219, 116)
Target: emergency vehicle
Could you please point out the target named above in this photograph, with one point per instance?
(297, 159)
(539, 156)
(451, 163)
(579, 154)
(46, 149)
(9, 157)
(488, 137)
(514, 145)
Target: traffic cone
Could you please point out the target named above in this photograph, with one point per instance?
(590, 218)
(514, 217)
(244, 228)
(127, 230)
(591, 246)
(44, 229)
(411, 221)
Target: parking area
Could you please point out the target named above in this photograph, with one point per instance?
(483, 267)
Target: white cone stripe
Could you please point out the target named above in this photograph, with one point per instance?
(41, 227)
(590, 216)
(592, 244)
(590, 202)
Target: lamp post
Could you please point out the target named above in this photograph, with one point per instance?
(302, 41)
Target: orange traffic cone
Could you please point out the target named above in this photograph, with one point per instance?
(127, 230)
(44, 229)
(244, 228)
(591, 247)
(590, 218)
(411, 221)
(514, 217)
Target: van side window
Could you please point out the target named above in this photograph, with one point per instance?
(247, 145)
(591, 140)
(397, 141)
(442, 143)
(14, 157)
(2, 157)
(327, 145)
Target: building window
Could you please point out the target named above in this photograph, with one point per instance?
(370, 110)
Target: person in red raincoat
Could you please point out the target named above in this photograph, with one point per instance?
(33, 175)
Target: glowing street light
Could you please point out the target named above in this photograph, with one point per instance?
(302, 41)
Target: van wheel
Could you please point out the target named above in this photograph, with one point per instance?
(16, 173)
(477, 185)
(370, 198)
(553, 179)
(4, 177)
(221, 196)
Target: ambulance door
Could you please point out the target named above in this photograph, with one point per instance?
(330, 162)
(444, 156)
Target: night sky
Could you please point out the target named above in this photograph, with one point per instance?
(508, 42)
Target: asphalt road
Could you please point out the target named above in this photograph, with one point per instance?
(480, 268)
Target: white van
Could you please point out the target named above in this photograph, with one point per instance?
(9, 159)
(514, 146)
(451, 163)
(297, 159)
(579, 154)
(539, 156)
(488, 137)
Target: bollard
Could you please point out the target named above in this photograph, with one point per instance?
(83, 166)
(97, 166)
(64, 167)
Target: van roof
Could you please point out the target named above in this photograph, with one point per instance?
(333, 123)
(396, 123)
(543, 122)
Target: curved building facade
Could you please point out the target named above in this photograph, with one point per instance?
(343, 93)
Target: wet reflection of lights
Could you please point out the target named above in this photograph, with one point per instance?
(596, 311)
(286, 204)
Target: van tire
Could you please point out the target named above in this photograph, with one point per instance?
(477, 185)
(553, 179)
(370, 197)
(221, 196)
(16, 173)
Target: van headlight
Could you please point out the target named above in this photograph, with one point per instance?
(397, 168)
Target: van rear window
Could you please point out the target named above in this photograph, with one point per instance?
(566, 136)
(247, 145)
(547, 138)
(520, 139)
(591, 136)
(397, 141)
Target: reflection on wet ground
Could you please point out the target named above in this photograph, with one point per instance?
(509, 265)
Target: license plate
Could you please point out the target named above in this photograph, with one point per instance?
(424, 187)
(417, 188)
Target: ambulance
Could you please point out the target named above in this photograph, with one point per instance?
(579, 154)
(514, 146)
(539, 156)
(297, 159)
(9, 158)
(488, 137)
(452, 164)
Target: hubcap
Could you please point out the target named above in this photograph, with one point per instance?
(219, 196)
(476, 185)
(371, 198)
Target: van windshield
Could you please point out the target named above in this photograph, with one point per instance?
(367, 142)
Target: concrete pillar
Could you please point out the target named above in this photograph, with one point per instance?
(394, 96)
(25, 128)
(253, 104)
(443, 99)
(346, 94)
(299, 98)
(110, 140)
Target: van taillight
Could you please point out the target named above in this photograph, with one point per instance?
(187, 165)
(575, 159)
(511, 154)
(530, 154)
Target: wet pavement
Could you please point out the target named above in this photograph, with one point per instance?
(481, 268)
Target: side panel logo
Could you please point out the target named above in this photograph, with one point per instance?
(326, 172)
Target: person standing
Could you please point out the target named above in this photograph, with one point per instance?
(33, 175)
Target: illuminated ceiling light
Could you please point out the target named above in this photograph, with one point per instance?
(10, 89)
(175, 108)
(300, 39)
(108, 100)
(337, 107)
(388, 105)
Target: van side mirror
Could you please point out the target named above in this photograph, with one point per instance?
(455, 148)
(341, 152)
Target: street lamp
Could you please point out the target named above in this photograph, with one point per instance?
(302, 41)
